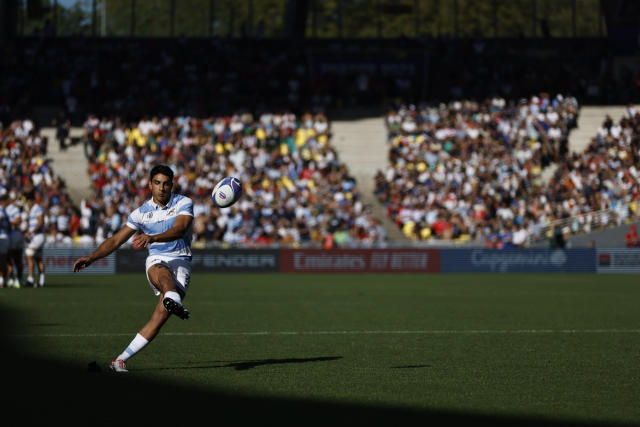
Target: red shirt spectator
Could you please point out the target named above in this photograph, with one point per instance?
(440, 226)
(632, 237)
(74, 223)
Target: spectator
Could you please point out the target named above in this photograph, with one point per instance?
(557, 238)
(631, 237)
(63, 126)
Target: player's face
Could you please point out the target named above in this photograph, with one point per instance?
(160, 186)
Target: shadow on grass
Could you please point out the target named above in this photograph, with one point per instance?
(244, 365)
(39, 391)
(410, 366)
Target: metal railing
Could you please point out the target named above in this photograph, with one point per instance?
(586, 222)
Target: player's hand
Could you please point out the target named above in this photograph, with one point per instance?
(81, 263)
(141, 241)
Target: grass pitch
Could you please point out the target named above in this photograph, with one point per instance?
(551, 347)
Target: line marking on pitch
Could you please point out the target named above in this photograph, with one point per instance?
(424, 332)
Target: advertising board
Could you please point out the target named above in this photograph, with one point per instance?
(60, 261)
(518, 260)
(209, 260)
(618, 261)
(360, 260)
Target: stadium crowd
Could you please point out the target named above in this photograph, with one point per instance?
(601, 185)
(26, 171)
(472, 170)
(296, 191)
(468, 171)
(28, 187)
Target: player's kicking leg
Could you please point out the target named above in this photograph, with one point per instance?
(162, 278)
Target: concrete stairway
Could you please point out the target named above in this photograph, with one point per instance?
(70, 164)
(590, 119)
(363, 147)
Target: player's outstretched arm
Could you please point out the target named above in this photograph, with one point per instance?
(180, 227)
(108, 246)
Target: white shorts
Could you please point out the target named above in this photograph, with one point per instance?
(35, 244)
(16, 240)
(4, 245)
(180, 267)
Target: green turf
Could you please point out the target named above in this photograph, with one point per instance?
(565, 347)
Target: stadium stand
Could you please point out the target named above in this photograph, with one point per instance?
(166, 76)
(283, 155)
(178, 77)
(470, 171)
(598, 187)
(25, 168)
(297, 192)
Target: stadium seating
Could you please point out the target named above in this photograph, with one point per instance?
(599, 187)
(471, 171)
(461, 172)
(296, 191)
(25, 168)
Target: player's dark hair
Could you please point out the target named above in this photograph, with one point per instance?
(163, 169)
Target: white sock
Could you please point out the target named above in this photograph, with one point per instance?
(137, 344)
(41, 281)
(174, 296)
(30, 279)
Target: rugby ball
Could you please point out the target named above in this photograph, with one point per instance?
(226, 192)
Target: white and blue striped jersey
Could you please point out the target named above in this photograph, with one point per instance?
(35, 211)
(152, 219)
(13, 212)
(4, 224)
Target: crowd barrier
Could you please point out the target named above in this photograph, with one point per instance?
(391, 260)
